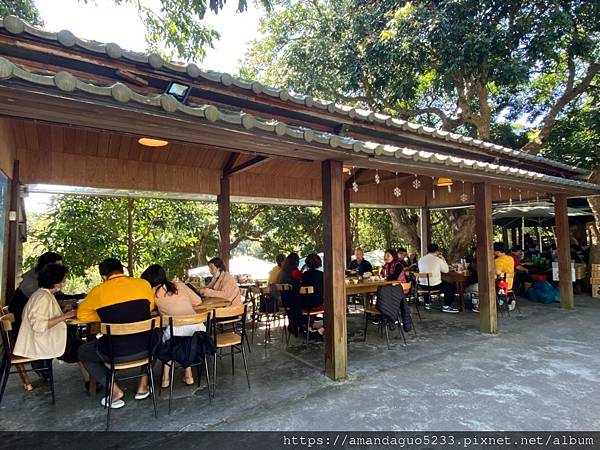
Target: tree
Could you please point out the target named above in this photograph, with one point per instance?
(464, 66)
(25, 9)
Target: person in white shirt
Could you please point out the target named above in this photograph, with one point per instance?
(434, 264)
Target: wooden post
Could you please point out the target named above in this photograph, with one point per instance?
(347, 223)
(513, 237)
(13, 231)
(563, 244)
(505, 238)
(224, 212)
(334, 294)
(130, 243)
(485, 258)
(425, 225)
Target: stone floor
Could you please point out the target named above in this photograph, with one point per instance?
(541, 372)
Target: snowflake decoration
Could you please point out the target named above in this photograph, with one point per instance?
(464, 197)
(397, 191)
(355, 186)
(377, 178)
(416, 183)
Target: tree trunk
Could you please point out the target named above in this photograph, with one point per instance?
(130, 244)
(462, 225)
(406, 225)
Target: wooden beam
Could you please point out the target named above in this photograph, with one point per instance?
(563, 245)
(485, 258)
(230, 162)
(425, 228)
(11, 272)
(348, 234)
(334, 293)
(385, 180)
(246, 165)
(224, 211)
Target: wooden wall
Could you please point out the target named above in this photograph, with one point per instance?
(7, 147)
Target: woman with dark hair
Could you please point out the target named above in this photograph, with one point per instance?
(43, 332)
(393, 269)
(290, 274)
(29, 285)
(223, 284)
(314, 302)
(173, 299)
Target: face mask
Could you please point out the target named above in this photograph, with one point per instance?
(217, 275)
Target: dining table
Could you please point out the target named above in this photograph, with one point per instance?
(366, 286)
(459, 279)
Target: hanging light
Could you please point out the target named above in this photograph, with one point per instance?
(433, 188)
(510, 196)
(520, 196)
(416, 182)
(151, 142)
(444, 182)
(377, 178)
(347, 170)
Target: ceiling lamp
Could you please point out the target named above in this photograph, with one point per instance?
(445, 182)
(151, 142)
(347, 170)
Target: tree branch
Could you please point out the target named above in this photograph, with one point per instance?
(571, 92)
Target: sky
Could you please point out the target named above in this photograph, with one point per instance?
(102, 21)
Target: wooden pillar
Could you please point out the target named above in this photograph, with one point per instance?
(563, 244)
(224, 201)
(505, 238)
(425, 226)
(334, 293)
(348, 234)
(513, 237)
(485, 258)
(13, 231)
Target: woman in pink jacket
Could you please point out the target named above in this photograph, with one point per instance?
(222, 285)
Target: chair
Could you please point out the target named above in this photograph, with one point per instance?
(412, 295)
(9, 360)
(176, 321)
(383, 321)
(286, 294)
(125, 329)
(232, 339)
(510, 279)
(270, 311)
(430, 293)
(310, 313)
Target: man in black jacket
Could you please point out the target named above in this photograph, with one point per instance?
(360, 264)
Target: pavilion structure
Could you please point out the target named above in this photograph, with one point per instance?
(72, 113)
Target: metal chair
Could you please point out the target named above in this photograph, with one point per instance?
(372, 313)
(125, 329)
(177, 321)
(232, 339)
(412, 295)
(9, 360)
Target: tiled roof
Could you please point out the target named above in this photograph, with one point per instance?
(16, 26)
(66, 82)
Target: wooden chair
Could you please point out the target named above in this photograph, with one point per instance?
(429, 293)
(310, 313)
(9, 360)
(509, 277)
(412, 295)
(125, 329)
(285, 292)
(269, 314)
(177, 321)
(230, 339)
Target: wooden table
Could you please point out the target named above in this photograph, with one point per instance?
(459, 279)
(208, 304)
(367, 287)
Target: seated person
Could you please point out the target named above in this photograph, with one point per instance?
(173, 299)
(406, 262)
(521, 273)
(505, 268)
(290, 274)
(393, 269)
(222, 285)
(43, 332)
(313, 277)
(359, 263)
(434, 264)
(29, 285)
(119, 299)
(276, 271)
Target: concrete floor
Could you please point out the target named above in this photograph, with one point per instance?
(541, 372)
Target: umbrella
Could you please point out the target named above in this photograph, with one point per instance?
(539, 215)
